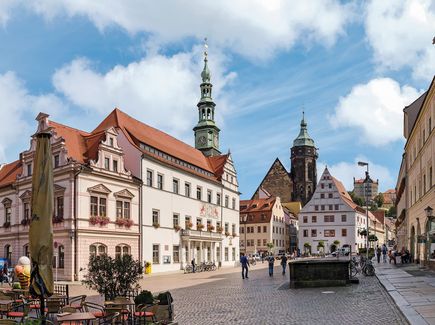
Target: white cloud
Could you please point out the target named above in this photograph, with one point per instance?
(159, 90)
(17, 104)
(401, 33)
(253, 28)
(345, 172)
(375, 110)
(6, 7)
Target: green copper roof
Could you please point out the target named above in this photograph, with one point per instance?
(303, 138)
(205, 74)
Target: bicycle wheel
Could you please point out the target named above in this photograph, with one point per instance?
(353, 270)
(370, 270)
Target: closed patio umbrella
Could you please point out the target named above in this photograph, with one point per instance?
(41, 229)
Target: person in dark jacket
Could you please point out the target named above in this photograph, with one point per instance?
(271, 261)
(283, 263)
(245, 264)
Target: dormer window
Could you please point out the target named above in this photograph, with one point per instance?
(29, 169)
(111, 142)
(115, 166)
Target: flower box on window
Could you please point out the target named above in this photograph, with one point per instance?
(189, 225)
(210, 228)
(156, 225)
(128, 223)
(99, 220)
(25, 222)
(219, 229)
(200, 226)
(177, 227)
(57, 219)
(104, 220)
(227, 233)
(120, 222)
(6, 224)
(234, 234)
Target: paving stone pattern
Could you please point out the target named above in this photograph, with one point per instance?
(264, 300)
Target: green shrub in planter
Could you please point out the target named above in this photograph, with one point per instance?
(145, 297)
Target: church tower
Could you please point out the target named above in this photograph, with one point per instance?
(206, 131)
(303, 165)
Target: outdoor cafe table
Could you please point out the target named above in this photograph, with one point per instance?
(5, 306)
(76, 317)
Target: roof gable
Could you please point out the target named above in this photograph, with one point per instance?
(277, 166)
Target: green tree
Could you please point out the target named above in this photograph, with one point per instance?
(392, 212)
(379, 200)
(113, 277)
(356, 199)
(270, 246)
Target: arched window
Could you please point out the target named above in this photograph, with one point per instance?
(122, 249)
(8, 253)
(97, 249)
(61, 257)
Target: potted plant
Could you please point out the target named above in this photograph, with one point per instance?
(144, 298)
(165, 310)
(234, 234)
(210, 228)
(227, 233)
(104, 220)
(128, 223)
(177, 228)
(200, 226)
(94, 220)
(156, 225)
(219, 229)
(120, 222)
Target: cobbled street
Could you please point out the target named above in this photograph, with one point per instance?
(264, 300)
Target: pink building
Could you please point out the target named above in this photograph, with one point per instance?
(96, 200)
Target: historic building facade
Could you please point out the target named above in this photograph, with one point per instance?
(126, 187)
(300, 183)
(331, 215)
(262, 222)
(415, 184)
(96, 200)
(361, 185)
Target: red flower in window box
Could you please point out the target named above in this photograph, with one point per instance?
(210, 228)
(104, 220)
(120, 222)
(128, 223)
(94, 220)
(200, 226)
(189, 225)
(219, 229)
(57, 219)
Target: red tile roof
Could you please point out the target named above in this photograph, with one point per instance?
(256, 208)
(74, 140)
(9, 172)
(379, 215)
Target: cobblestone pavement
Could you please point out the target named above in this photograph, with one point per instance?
(264, 300)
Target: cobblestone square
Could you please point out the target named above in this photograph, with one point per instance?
(264, 300)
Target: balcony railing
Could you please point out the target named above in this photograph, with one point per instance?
(192, 234)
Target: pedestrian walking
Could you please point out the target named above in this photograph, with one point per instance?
(262, 257)
(271, 261)
(193, 265)
(378, 253)
(384, 253)
(245, 264)
(283, 263)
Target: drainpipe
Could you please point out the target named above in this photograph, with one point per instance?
(140, 216)
(75, 194)
(221, 250)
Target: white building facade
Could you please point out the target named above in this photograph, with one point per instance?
(331, 215)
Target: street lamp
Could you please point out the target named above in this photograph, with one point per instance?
(245, 218)
(430, 228)
(362, 163)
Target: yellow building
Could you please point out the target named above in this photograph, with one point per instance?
(415, 186)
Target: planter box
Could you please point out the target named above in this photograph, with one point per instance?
(318, 273)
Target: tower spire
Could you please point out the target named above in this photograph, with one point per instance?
(206, 131)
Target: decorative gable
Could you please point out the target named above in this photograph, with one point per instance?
(58, 189)
(100, 188)
(7, 201)
(124, 194)
(27, 195)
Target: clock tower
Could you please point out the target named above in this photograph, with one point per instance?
(206, 131)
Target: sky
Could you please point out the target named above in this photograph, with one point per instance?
(351, 66)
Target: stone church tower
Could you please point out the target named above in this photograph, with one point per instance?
(303, 165)
(298, 184)
(206, 131)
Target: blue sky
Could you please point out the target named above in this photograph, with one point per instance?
(351, 67)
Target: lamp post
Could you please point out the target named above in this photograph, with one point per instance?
(430, 229)
(245, 219)
(362, 163)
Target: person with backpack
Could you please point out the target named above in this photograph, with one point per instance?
(283, 263)
(384, 253)
(271, 261)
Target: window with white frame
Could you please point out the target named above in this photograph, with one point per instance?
(156, 217)
(107, 163)
(175, 186)
(156, 254)
(176, 253)
(122, 209)
(121, 250)
(233, 203)
(160, 181)
(226, 201)
(199, 192)
(176, 219)
(115, 166)
(149, 178)
(97, 249)
(209, 196)
(218, 199)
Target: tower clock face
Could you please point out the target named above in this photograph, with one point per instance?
(202, 140)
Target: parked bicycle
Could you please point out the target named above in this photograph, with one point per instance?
(204, 266)
(365, 266)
